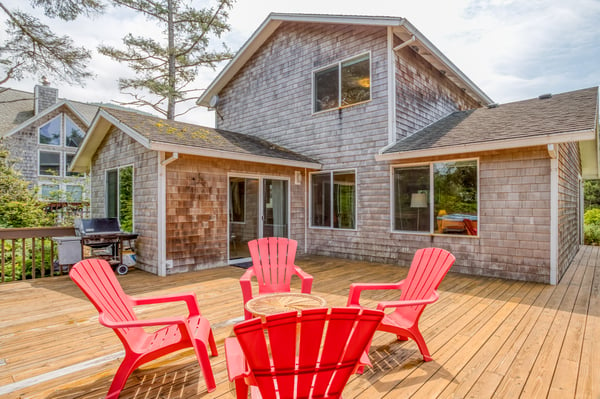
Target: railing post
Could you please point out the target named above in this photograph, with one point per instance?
(2, 257)
(23, 261)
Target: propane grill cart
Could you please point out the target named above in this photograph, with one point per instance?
(104, 239)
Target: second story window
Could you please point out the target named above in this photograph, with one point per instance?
(73, 134)
(49, 163)
(345, 83)
(50, 133)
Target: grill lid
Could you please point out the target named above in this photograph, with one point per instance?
(97, 226)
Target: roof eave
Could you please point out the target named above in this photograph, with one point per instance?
(554, 138)
(238, 156)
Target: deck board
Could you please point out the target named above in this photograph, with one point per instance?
(489, 338)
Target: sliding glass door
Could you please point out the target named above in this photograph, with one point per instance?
(258, 207)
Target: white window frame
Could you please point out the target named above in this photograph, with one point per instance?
(431, 196)
(62, 186)
(339, 67)
(331, 204)
(60, 162)
(118, 169)
(60, 135)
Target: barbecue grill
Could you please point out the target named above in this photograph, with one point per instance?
(105, 239)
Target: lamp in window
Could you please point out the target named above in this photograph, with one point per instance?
(418, 200)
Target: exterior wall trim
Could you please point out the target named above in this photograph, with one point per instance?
(391, 83)
(554, 218)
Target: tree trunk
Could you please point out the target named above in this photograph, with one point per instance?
(171, 51)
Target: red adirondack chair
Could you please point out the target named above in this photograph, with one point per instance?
(97, 280)
(273, 266)
(419, 288)
(331, 346)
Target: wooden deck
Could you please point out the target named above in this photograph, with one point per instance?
(489, 338)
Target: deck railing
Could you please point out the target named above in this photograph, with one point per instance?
(29, 253)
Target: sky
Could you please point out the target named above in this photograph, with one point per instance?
(511, 49)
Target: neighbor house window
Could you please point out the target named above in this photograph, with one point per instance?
(119, 196)
(73, 134)
(450, 186)
(68, 160)
(74, 193)
(49, 163)
(49, 192)
(49, 133)
(346, 83)
(333, 199)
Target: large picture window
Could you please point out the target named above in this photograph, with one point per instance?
(452, 188)
(73, 134)
(49, 163)
(49, 133)
(346, 83)
(333, 199)
(119, 196)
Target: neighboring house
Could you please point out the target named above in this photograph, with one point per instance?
(390, 148)
(42, 134)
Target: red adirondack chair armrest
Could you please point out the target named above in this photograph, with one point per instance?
(357, 288)
(162, 321)
(188, 297)
(397, 304)
(306, 278)
(246, 283)
(236, 361)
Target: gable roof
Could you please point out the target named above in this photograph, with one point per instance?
(160, 134)
(565, 117)
(17, 110)
(400, 26)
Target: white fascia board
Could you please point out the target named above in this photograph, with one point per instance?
(204, 152)
(264, 31)
(491, 145)
(95, 134)
(44, 113)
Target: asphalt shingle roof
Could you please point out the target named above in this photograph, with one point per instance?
(573, 111)
(161, 130)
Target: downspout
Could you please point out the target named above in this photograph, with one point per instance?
(162, 211)
(306, 222)
(553, 153)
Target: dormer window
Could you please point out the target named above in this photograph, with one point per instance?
(346, 83)
(50, 133)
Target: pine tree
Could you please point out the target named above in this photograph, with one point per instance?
(31, 47)
(165, 68)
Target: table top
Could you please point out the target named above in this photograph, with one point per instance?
(268, 304)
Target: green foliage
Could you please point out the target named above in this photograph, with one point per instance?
(14, 265)
(167, 62)
(29, 46)
(591, 194)
(126, 198)
(19, 206)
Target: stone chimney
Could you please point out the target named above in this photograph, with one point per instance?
(45, 96)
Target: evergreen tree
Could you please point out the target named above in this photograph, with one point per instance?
(30, 46)
(165, 68)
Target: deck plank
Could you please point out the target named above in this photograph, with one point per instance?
(489, 338)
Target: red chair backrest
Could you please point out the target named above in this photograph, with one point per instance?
(469, 225)
(273, 262)
(428, 268)
(97, 280)
(319, 347)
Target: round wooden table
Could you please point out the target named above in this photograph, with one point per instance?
(268, 304)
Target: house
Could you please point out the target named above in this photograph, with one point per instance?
(42, 134)
(383, 146)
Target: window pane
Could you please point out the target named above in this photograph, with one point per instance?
(237, 199)
(112, 191)
(344, 192)
(126, 198)
(275, 211)
(326, 89)
(50, 132)
(455, 196)
(69, 159)
(411, 198)
(74, 193)
(356, 80)
(321, 199)
(73, 134)
(50, 192)
(49, 163)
